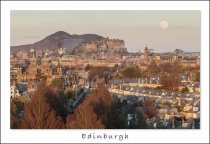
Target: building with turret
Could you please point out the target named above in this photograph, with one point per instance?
(45, 68)
(146, 57)
(107, 45)
(29, 74)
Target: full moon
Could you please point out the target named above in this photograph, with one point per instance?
(163, 24)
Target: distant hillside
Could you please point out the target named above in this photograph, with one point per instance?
(57, 40)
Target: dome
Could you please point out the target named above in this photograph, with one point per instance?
(31, 50)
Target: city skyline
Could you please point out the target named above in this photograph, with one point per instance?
(90, 82)
(136, 28)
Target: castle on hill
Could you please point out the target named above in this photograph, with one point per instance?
(102, 45)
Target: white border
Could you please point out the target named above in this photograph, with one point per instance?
(73, 136)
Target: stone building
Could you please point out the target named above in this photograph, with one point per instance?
(29, 74)
(21, 76)
(113, 45)
(45, 68)
(59, 71)
(14, 92)
(32, 69)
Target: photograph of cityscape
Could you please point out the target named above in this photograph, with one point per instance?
(105, 69)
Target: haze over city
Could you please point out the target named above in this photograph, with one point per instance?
(160, 30)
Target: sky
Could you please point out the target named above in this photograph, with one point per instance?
(137, 28)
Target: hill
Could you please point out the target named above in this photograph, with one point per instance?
(58, 40)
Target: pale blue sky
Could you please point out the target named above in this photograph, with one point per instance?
(136, 28)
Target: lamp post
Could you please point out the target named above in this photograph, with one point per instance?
(173, 125)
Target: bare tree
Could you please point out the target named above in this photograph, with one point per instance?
(153, 68)
(84, 118)
(40, 113)
(130, 72)
(96, 72)
(170, 81)
(15, 122)
(150, 109)
(102, 101)
(101, 94)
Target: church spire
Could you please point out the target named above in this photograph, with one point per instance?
(146, 58)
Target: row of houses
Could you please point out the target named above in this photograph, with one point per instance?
(165, 101)
(154, 82)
